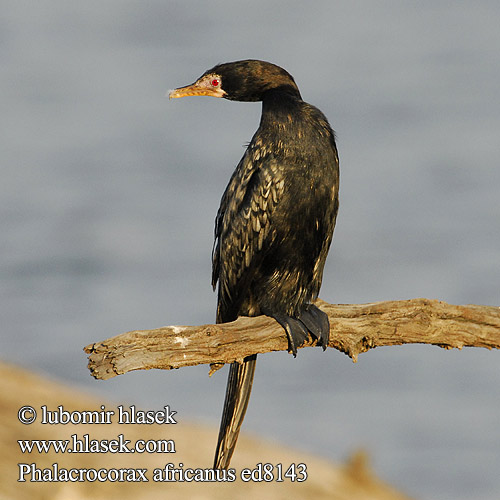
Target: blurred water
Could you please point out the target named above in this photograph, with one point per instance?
(109, 193)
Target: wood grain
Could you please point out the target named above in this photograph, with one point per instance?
(354, 329)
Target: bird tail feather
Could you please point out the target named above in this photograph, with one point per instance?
(239, 387)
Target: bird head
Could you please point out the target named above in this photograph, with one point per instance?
(246, 80)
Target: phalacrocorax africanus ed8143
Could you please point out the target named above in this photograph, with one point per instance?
(275, 222)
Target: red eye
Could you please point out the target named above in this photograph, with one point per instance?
(215, 82)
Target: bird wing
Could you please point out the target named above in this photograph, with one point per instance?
(243, 229)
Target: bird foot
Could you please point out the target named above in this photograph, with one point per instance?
(311, 321)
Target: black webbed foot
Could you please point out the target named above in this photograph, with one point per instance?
(311, 321)
(316, 321)
(295, 330)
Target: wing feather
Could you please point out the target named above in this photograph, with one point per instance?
(243, 229)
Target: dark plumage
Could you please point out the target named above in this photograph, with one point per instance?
(275, 222)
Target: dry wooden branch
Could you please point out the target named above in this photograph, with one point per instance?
(355, 328)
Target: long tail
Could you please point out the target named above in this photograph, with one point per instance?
(239, 387)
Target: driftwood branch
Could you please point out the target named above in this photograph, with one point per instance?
(355, 328)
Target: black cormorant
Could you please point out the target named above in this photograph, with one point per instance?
(275, 222)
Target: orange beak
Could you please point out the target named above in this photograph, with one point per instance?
(197, 88)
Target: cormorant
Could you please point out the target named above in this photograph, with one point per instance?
(275, 222)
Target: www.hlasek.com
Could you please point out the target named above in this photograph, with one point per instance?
(30, 472)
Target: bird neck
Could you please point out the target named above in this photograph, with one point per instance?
(280, 109)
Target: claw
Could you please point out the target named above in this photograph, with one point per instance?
(311, 321)
(318, 324)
